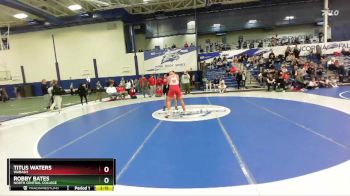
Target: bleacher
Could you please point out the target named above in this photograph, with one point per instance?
(211, 74)
(345, 59)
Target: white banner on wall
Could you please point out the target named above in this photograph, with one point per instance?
(305, 49)
(163, 61)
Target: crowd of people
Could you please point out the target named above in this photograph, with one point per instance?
(299, 73)
(289, 71)
(151, 86)
(173, 46)
(295, 72)
(229, 70)
(275, 40)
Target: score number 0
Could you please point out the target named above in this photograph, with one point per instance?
(106, 170)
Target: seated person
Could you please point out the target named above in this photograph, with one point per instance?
(215, 83)
(270, 81)
(222, 86)
(233, 70)
(332, 82)
(121, 91)
(132, 93)
(319, 71)
(228, 70)
(3, 95)
(111, 92)
(280, 81)
(324, 83)
(271, 68)
(159, 91)
(208, 85)
(219, 64)
(312, 84)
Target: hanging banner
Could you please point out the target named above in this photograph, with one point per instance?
(163, 61)
(206, 56)
(305, 49)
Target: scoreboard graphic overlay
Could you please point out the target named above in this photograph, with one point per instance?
(61, 174)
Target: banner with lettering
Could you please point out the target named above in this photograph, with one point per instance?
(305, 49)
(163, 61)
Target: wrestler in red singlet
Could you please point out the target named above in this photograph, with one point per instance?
(174, 89)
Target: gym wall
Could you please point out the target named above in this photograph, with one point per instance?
(164, 42)
(76, 48)
(232, 37)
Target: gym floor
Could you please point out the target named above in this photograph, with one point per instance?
(268, 143)
(16, 108)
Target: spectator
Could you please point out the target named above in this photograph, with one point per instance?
(44, 91)
(312, 84)
(319, 71)
(185, 80)
(288, 51)
(144, 85)
(57, 93)
(71, 87)
(99, 90)
(132, 93)
(228, 70)
(332, 82)
(239, 79)
(137, 85)
(318, 52)
(110, 82)
(3, 94)
(128, 86)
(159, 91)
(345, 52)
(152, 86)
(270, 81)
(82, 92)
(159, 81)
(111, 91)
(243, 79)
(296, 51)
(215, 83)
(193, 79)
(122, 81)
(222, 86)
(233, 70)
(341, 72)
(49, 91)
(121, 91)
(88, 85)
(323, 83)
(18, 91)
(207, 84)
(280, 82)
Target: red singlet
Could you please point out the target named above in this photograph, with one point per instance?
(174, 88)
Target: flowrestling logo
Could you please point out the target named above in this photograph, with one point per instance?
(193, 113)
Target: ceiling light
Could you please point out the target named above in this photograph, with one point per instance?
(191, 25)
(75, 7)
(252, 21)
(289, 18)
(146, 1)
(20, 16)
(192, 22)
(216, 25)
